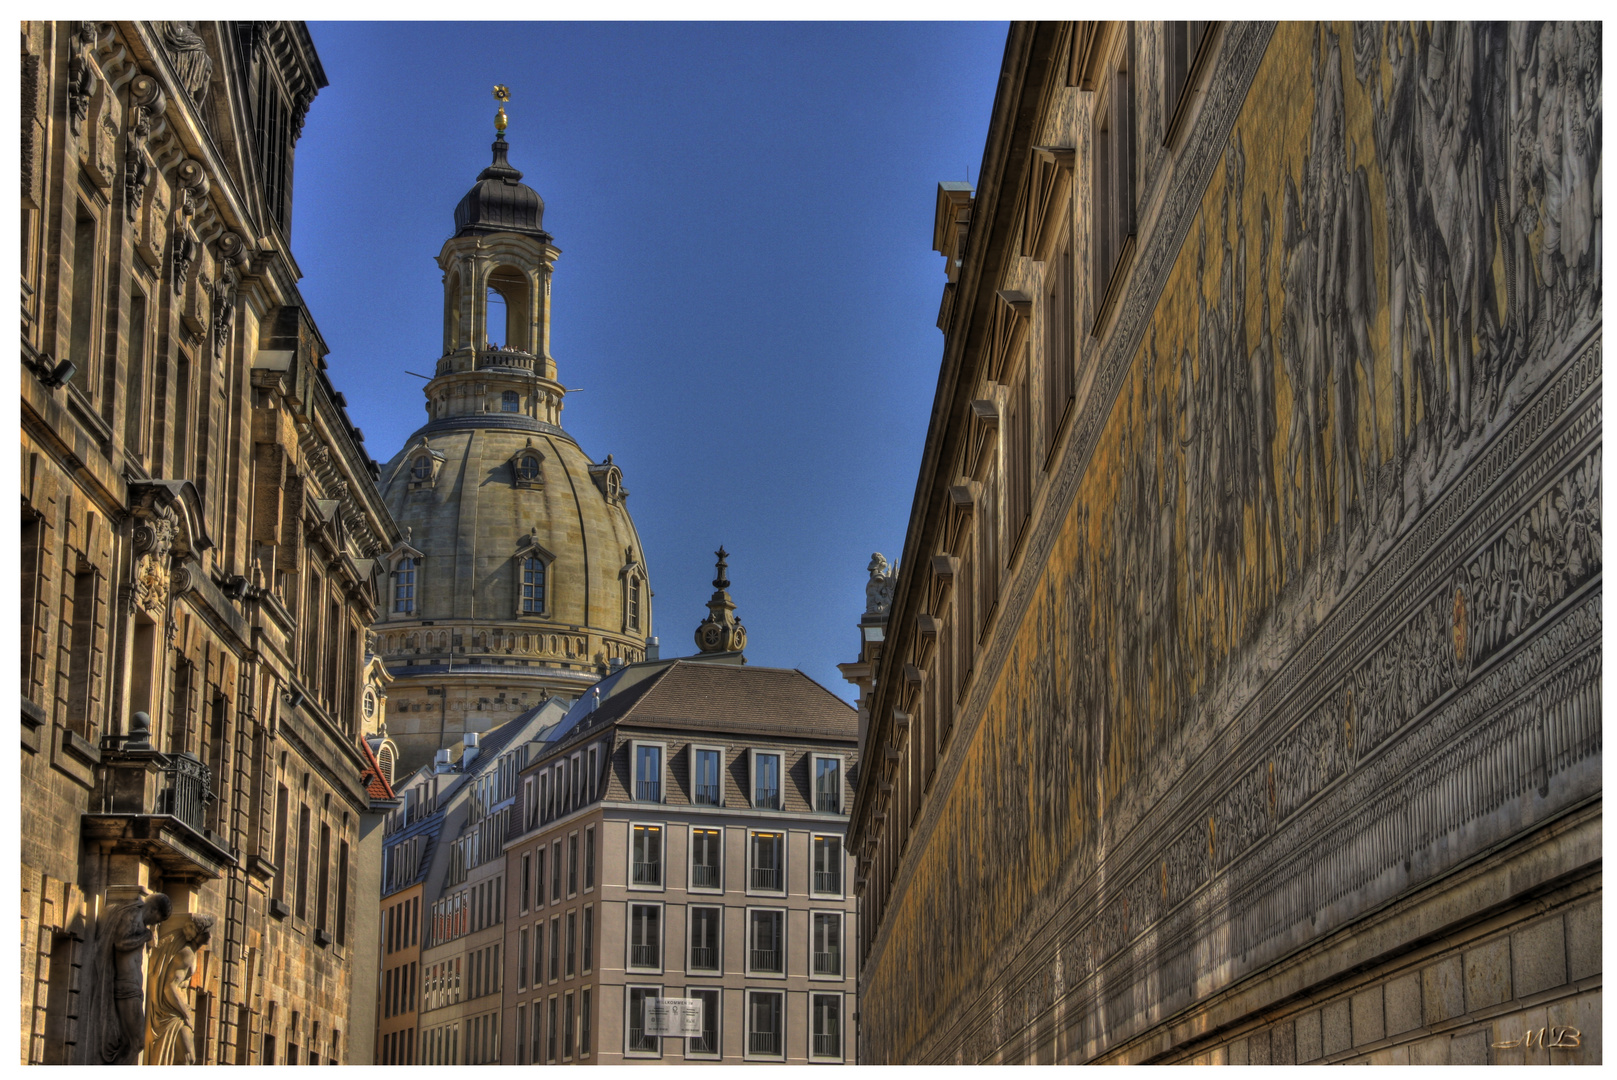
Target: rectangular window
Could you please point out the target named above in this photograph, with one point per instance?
(765, 781)
(828, 865)
(323, 880)
(1113, 183)
(522, 960)
(827, 1029)
(539, 875)
(550, 1044)
(589, 858)
(827, 944)
(593, 758)
(555, 948)
(648, 773)
(645, 936)
(584, 1021)
(567, 1028)
(768, 862)
(589, 939)
(638, 1041)
(1182, 43)
(646, 852)
(81, 330)
(708, 1044)
(705, 773)
(303, 862)
(705, 922)
(522, 1034)
(1060, 359)
(572, 865)
(766, 942)
(766, 1023)
(828, 785)
(706, 859)
(538, 953)
(572, 943)
(342, 893)
(135, 391)
(527, 869)
(1018, 456)
(536, 1054)
(555, 872)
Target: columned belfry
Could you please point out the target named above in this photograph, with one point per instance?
(521, 574)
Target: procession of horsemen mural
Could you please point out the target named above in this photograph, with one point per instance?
(1400, 246)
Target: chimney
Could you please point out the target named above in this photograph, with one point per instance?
(652, 650)
(440, 761)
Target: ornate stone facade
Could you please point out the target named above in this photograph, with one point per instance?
(520, 575)
(1240, 698)
(200, 542)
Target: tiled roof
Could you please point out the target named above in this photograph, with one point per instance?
(763, 701)
(372, 777)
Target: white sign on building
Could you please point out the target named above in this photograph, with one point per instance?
(679, 1018)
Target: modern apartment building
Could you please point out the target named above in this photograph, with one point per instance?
(442, 843)
(684, 838)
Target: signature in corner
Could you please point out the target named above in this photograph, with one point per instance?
(1546, 1038)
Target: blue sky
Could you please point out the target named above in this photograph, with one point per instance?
(746, 293)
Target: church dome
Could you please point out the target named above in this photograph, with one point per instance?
(500, 201)
(520, 575)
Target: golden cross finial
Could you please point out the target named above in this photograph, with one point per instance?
(502, 94)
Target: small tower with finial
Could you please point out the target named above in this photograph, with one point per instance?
(721, 631)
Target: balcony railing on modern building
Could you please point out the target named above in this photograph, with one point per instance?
(707, 794)
(648, 790)
(828, 963)
(766, 877)
(828, 1045)
(768, 798)
(763, 1042)
(645, 956)
(825, 801)
(827, 881)
(648, 873)
(703, 959)
(766, 959)
(704, 877)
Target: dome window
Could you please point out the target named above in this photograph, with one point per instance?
(421, 468)
(527, 467)
(510, 402)
(404, 587)
(422, 463)
(533, 586)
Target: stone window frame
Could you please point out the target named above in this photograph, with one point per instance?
(393, 559)
(815, 915)
(781, 913)
(842, 1002)
(534, 482)
(696, 748)
(817, 756)
(419, 451)
(628, 996)
(747, 1052)
(690, 860)
(661, 884)
(842, 856)
(633, 572)
(780, 778)
(662, 938)
(785, 844)
(690, 939)
(530, 548)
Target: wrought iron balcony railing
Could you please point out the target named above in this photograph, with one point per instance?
(704, 877)
(707, 794)
(644, 956)
(703, 959)
(766, 878)
(648, 791)
(829, 1045)
(648, 873)
(828, 963)
(827, 881)
(763, 1042)
(766, 959)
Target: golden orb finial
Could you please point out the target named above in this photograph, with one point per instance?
(502, 94)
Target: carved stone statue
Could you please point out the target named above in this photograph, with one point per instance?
(189, 54)
(113, 1024)
(879, 589)
(170, 1037)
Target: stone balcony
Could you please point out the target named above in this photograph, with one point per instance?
(156, 806)
(487, 359)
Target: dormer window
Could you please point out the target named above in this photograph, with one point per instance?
(510, 402)
(527, 467)
(634, 603)
(421, 468)
(533, 586)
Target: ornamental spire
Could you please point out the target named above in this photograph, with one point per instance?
(721, 631)
(502, 94)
